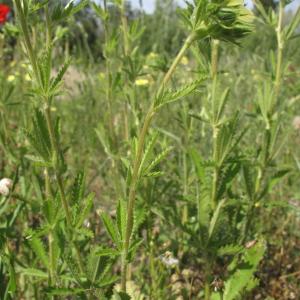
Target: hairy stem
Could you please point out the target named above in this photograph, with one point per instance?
(138, 158)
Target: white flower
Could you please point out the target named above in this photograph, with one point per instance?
(5, 185)
(169, 260)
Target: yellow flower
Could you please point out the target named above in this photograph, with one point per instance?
(184, 61)
(142, 82)
(27, 77)
(53, 108)
(152, 55)
(11, 78)
(101, 75)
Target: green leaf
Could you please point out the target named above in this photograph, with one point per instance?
(38, 247)
(57, 80)
(171, 96)
(122, 218)
(111, 229)
(215, 217)
(31, 272)
(229, 250)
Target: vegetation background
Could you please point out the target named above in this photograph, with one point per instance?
(87, 97)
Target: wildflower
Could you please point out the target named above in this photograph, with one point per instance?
(184, 61)
(11, 78)
(27, 77)
(5, 185)
(169, 260)
(101, 75)
(4, 12)
(296, 123)
(142, 82)
(152, 55)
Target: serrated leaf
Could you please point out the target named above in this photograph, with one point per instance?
(111, 228)
(39, 249)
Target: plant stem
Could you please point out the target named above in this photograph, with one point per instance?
(138, 158)
(54, 145)
(52, 267)
(126, 44)
(280, 45)
(28, 45)
(60, 185)
(108, 79)
(267, 136)
(214, 73)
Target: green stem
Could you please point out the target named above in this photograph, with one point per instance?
(52, 267)
(137, 162)
(28, 45)
(108, 80)
(280, 45)
(214, 73)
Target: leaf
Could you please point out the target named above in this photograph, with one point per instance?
(229, 250)
(244, 273)
(111, 229)
(39, 249)
(215, 217)
(156, 161)
(31, 272)
(85, 209)
(171, 96)
(122, 218)
(57, 80)
(290, 29)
